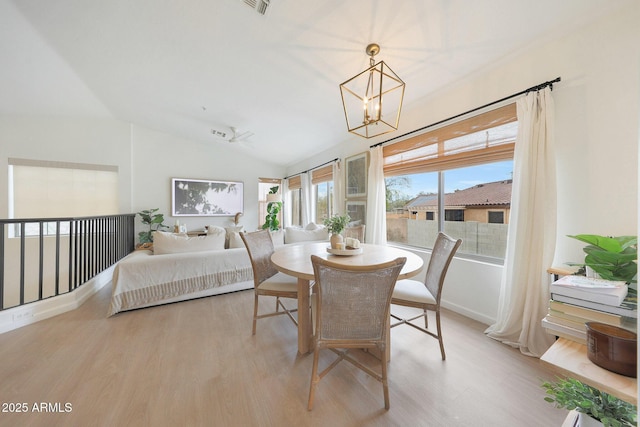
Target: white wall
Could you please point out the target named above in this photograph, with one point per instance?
(157, 157)
(597, 112)
(147, 160)
(78, 140)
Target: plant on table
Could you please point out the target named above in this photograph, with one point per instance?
(574, 395)
(337, 223)
(154, 221)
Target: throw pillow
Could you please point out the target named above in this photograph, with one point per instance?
(170, 243)
(277, 237)
(297, 235)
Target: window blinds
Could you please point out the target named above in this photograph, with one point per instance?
(484, 138)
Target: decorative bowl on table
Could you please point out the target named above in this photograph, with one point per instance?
(612, 348)
(347, 251)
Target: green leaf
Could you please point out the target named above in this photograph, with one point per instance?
(608, 243)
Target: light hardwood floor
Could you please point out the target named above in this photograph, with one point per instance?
(195, 363)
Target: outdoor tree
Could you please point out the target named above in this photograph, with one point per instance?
(396, 198)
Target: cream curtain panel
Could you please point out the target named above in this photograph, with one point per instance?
(306, 199)
(376, 226)
(338, 188)
(286, 198)
(524, 293)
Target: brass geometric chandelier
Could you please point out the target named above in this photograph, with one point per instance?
(372, 100)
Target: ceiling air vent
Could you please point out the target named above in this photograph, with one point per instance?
(259, 6)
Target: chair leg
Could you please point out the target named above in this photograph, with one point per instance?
(440, 335)
(426, 319)
(255, 314)
(277, 304)
(385, 384)
(314, 378)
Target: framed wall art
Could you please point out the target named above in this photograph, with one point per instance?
(357, 210)
(199, 197)
(356, 176)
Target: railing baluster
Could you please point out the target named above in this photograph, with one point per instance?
(22, 258)
(41, 261)
(2, 266)
(57, 278)
(71, 232)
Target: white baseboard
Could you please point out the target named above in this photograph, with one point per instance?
(17, 317)
(468, 313)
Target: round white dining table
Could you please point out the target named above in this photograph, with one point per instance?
(295, 260)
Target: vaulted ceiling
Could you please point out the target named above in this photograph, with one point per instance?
(187, 67)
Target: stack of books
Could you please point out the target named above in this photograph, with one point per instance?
(576, 300)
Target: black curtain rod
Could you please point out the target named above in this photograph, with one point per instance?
(316, 167)
(532, 88)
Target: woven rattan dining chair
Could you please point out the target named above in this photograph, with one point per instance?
(426, 295)
(355, 232)
(352, 311)
(267, 280)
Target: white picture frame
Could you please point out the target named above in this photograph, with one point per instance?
(201, 197)
(357, 210)
(356, 175)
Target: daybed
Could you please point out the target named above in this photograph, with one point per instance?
(180, 267)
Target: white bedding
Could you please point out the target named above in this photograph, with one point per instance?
(143, 279)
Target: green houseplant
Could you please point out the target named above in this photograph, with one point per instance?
(154, 221)
(335, 225)
(574, 395)
(274, 206)
(613, 258)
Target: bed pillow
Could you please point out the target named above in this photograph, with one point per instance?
(229, 233)
(170, 243)
(277, 237)
(297, 235)
(235, 241)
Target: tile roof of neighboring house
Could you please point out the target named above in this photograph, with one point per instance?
(490, 193)
(422, 199)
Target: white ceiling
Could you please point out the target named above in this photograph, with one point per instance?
(185, 67)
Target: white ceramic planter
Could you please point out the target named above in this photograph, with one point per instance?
(585, 420)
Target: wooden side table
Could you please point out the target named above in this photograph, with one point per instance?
(569, 358)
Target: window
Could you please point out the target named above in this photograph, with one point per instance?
(324, 201)
(47, 189)
(495, 217)
(295, 192)
(455, 179)
(454, 215)
(264, 186)
(322, 182)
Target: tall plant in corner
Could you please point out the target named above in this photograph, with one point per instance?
(154, 221)
(274, 206)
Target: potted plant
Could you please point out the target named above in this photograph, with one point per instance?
(274, 206)
(612, 258)
(335, 225)
(154, 221)
(593, 405)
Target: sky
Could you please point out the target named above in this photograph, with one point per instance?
(459, 179)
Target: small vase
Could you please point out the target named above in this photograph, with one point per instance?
(335, 239)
